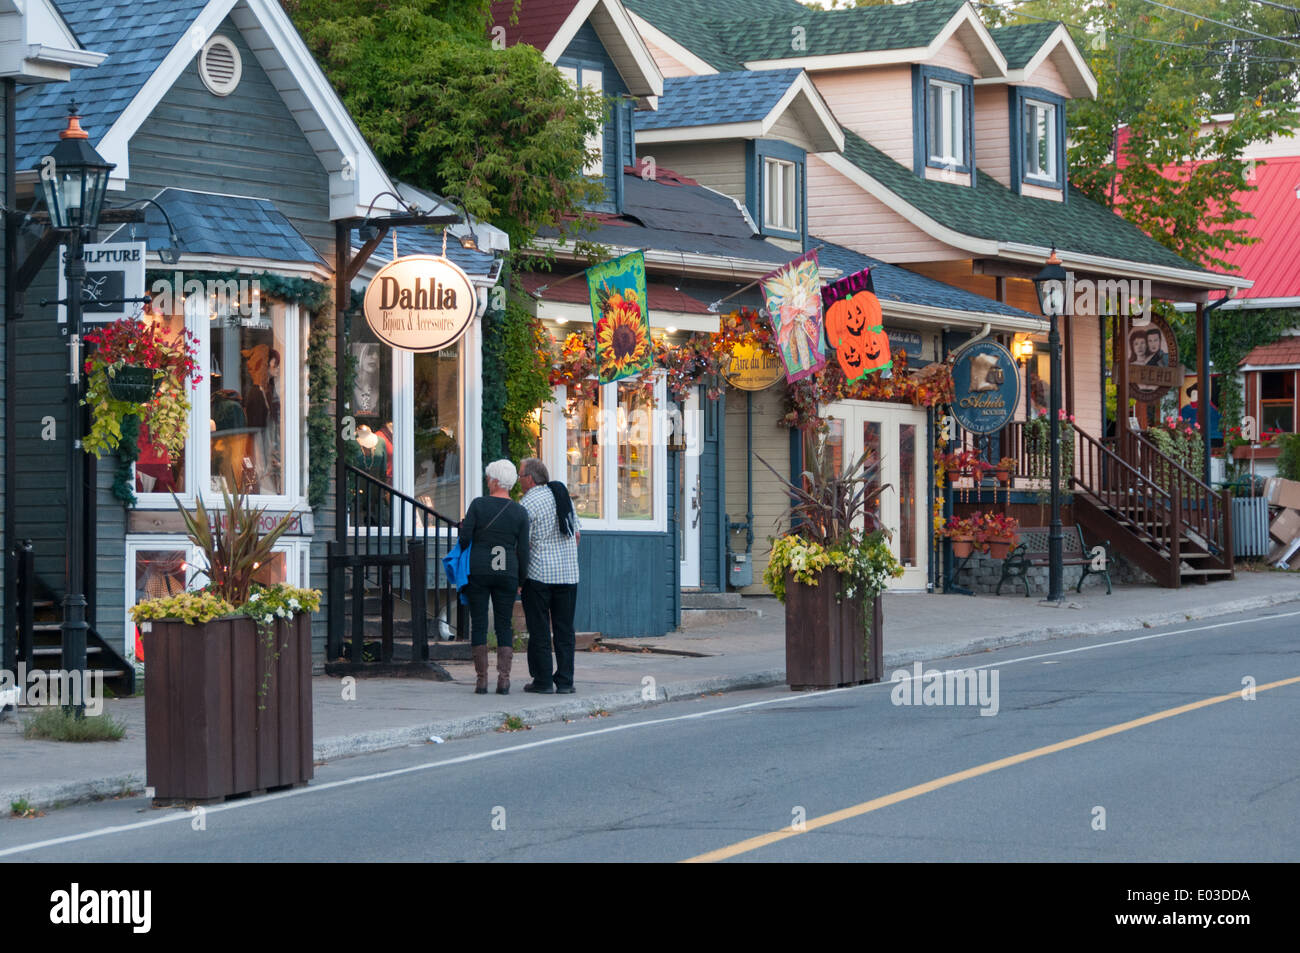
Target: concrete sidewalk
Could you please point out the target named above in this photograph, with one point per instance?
(391, 712)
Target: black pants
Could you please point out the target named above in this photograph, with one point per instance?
(501, 590)
(548, 607)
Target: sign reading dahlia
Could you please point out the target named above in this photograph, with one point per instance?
(621, 317)
(420, 303)
(794, 303)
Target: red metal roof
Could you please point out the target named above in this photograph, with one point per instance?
(539, 20)
(1278, 354)
(663, 297)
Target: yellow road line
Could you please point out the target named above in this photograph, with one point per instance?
(866, 807)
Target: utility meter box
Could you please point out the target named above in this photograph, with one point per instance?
(740, 570)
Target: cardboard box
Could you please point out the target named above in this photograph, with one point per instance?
(1282, 492)
(1285, 526)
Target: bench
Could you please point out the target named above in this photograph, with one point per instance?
(1032, 551)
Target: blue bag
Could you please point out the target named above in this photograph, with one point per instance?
(456, 567)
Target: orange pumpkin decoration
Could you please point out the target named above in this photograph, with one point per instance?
(836, 315)
(854, 327)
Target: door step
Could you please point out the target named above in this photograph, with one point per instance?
(707, 609)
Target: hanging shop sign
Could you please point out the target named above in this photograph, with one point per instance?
(113, 272)
(908, 342)
(420, 303)
(753, 367)
(621, 317)
(1152, 354)
(986, 387)
(855, 326)
(794, 305)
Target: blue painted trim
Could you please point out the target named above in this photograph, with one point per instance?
(1016, 96)
(921, 77)
(621, 122)
(756, 193)
(724, 518)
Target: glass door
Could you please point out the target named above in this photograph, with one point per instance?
(689, 502)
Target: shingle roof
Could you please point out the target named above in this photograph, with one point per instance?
(136, 35)
(893, 283)
(1021, 41)
(992, 211)
(661, 295)
(688, 22)
(231, 226)
(428, 241)
(1278, 354)
(741, 96)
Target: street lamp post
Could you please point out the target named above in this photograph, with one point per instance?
(74, 178)
(1050, 284)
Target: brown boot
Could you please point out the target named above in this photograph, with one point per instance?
(505, 657)
(480, 653)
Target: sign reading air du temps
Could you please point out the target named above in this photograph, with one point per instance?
(113, 272)
(986, 386)
(420, 303)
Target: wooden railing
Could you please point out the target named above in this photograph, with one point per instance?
(1114, 481)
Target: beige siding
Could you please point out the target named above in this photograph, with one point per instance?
(1039, 192)
(772, 443)
(719, 165)
(943, 175)
(993, 133)
(667, 65)
(1048, 76)
(841, 212)
(876, 104)
(791, 130)
(1085, 359)
(953, 55)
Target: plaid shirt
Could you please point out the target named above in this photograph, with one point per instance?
(552, 556)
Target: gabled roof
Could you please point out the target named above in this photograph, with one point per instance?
(151, 43)
(550, 25)
(1283, 353)
(745, 104)
(896, 284)
(991, 220)
(224, 226)
(690, 23)
(1028, 45)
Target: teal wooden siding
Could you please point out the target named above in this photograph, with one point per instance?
(629, 584)
(712, 573)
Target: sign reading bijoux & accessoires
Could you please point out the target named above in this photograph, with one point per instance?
(420, 303)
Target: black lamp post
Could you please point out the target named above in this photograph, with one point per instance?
(74, 178)
(1050, 284)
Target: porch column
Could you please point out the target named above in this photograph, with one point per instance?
(1203, 384)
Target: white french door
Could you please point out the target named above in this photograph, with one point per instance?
(689, 501)
(897, 435)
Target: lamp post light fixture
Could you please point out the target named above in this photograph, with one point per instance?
(1023, 351)
(74, 178)
(1050, 285)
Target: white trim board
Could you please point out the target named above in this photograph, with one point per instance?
(614, 26)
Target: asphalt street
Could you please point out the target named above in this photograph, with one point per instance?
(1125, 747)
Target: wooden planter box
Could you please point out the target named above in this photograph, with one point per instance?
(208, 733)
(824, 636)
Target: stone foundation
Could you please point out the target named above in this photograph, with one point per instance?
(981, 575)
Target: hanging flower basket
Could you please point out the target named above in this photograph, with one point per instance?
(133, 383)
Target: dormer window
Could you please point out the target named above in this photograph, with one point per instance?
(1037, 141)
(943, 135)
(1039, 125)
(590, 77)
(776, 188)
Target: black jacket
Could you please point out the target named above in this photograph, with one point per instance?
(498, 549)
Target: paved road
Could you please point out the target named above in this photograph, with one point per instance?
(1125, 747)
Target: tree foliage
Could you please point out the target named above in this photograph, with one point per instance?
(496, 128)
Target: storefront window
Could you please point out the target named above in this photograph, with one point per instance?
(247, 411)
(907, 494)
(582, 449)
(156, 469)
(635, 452)
(871, 448)
(437, 429)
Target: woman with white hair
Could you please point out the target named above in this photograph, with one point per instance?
(496, 530)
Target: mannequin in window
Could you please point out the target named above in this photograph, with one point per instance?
(374, 452)
(386, 435)
(230, 439)
(262, 408)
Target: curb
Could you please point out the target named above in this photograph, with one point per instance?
(65, 793)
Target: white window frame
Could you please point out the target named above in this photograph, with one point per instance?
(1034, 107)
(198, 447)
(951, 107)
(590, 78)
(786, 176)
(553, 444)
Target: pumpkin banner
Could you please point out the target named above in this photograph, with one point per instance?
(855, 327)
(794, 306)
(621, 316)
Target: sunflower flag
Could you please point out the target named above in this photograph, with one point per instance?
(622, 320)
(794, 303)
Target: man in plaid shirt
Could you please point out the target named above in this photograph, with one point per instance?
(550, 584)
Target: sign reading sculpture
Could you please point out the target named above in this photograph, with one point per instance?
(420, 303)
(986, 387)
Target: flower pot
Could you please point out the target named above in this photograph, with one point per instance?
(133, 383)
(962, 546)
(1004, 476)
(826, 645)
(210, 732)
(999, 548)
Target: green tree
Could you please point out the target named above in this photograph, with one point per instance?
(498, 129)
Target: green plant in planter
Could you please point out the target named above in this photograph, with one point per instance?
(1288, 461)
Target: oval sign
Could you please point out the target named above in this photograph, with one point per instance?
(753, 367)
(986, 387)
(420, 303)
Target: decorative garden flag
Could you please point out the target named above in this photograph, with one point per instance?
(794, 305)
(855, 327)
(621, 317)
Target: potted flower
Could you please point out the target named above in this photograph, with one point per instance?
(830, 570)
(228, 695)
(1005, 469)
(960, 531)
(136, 370)
(996, 533)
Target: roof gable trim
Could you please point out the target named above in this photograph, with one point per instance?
(614, 26)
